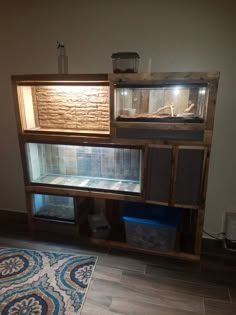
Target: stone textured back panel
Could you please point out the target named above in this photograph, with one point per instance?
(73, 107)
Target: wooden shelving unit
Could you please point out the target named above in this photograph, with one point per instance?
(58, 127)
(128, 247)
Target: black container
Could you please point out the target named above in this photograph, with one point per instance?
(125, 62)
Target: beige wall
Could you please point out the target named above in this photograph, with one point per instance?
(183, 35)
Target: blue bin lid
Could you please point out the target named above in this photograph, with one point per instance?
(150, 222)
(151, 214)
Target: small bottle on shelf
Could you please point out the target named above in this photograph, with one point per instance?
(62, 58)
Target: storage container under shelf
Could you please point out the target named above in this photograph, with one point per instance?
(151, 227)
(53, 207)
(99, 226)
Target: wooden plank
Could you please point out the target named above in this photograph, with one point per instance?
(160, 134)
(188, 179)
(126, 246)
(166, 77)
(189, 287)
(217, 307)
(144, 172)
(211, 104)
(19, 108)
(70, 132)
(159, 174)
(208, 137)
(52, 221)
(82, 140)
(159, 125)
(144, 101)
(199, 231)
(32, 79)
(157, 202)
(57, 190)
(24, 160)
(35, 108)
(172, 191)
(205, 176)
(29, 207)
(67, 191)
(112, 104)
(112, 195)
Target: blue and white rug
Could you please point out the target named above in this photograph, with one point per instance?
(43, 283)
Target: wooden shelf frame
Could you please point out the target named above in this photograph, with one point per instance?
(112, 139)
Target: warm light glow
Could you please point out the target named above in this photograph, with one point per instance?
(66, 107)
(69, 88)
(28, 104)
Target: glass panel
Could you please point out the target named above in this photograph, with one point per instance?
(66, 108)
(161, 103)
(53, 207)
(117, 169)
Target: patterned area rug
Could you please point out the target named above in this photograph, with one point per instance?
(43, 283)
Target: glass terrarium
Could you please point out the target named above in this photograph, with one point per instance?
(167, 103)
(91, 167)
(53, 207)
(68, 108)
(125, 62)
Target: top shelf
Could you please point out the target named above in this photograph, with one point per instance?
(68, 104)
(94, 104)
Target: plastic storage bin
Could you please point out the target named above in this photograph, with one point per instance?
(151, 227)
(99, 226)
(125, 62)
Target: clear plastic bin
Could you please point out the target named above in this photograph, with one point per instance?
(150, 228)
(99, 226)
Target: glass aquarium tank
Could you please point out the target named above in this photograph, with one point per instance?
(92, 167)
(125, 62)
(53, 207)
(68, 108)
(161, 103)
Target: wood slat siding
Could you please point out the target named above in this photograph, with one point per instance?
(155, 134)
(189, 176)
(159, 174)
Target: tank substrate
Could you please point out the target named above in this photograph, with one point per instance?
(55, 211)
(90, 182)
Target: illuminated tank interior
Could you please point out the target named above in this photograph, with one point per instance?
(67, 108)
(90, 167)
(174, 103)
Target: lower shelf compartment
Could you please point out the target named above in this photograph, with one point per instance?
(126, 246)
(131, 226)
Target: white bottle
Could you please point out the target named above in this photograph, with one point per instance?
(62, 59)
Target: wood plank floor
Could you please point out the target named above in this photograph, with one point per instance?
(130, 283)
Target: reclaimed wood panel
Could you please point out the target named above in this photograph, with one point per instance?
(159, 174)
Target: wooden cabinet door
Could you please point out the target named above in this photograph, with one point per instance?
(189, 171)
(159, 173)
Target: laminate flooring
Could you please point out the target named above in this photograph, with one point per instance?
(130, 283)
